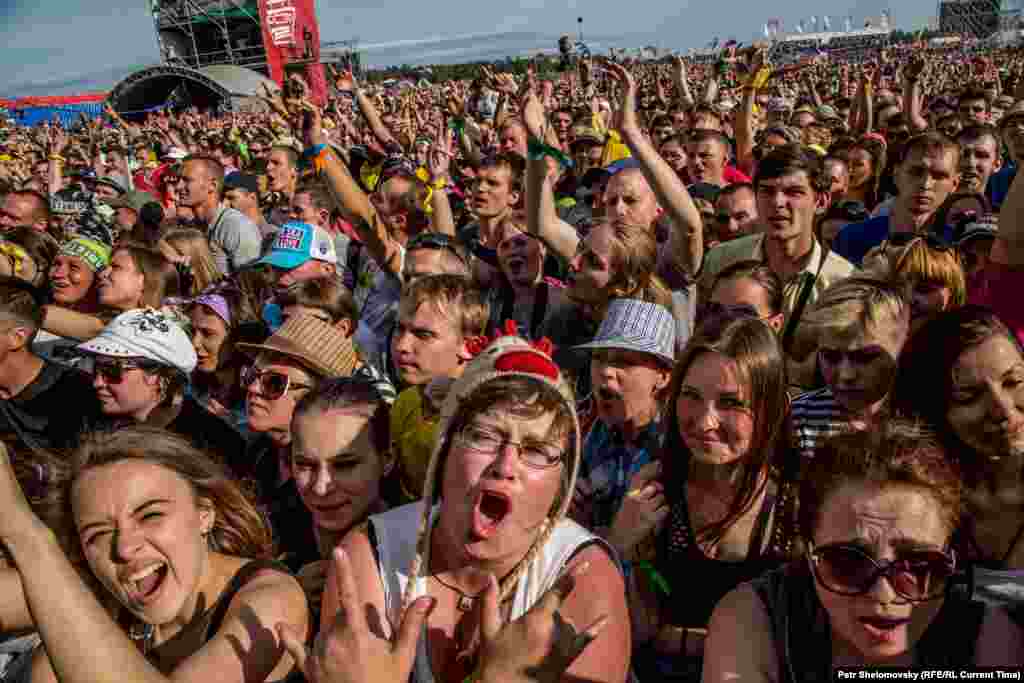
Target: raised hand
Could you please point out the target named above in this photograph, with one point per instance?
(540, 645)
(627, 87)
(642, 511)
(533, 115)
(347, 651)
(679, 68)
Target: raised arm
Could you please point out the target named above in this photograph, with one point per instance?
(912, 94)
(1008, 248)
(541, 217)
(744, 127)
(682, 82)
(686, 240)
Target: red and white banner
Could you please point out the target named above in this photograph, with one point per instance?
(291, 33)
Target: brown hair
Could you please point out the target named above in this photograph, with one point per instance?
(456, 295)
(924, 375)
(327, 294)
(19, 305)
(195, 245)
(238, 529)
(635, 256)
(754, 347)
(760, 273)
(896, 453)
(160, 277)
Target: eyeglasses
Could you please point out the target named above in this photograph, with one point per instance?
(917, 576)
(713, 309)
(273, 385)
(538, 455)
(113, 372)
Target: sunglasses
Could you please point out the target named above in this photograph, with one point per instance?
(713, 309)
(917, 576)
(433, 240)
(903, 239)
(113, 372)
(273, 385)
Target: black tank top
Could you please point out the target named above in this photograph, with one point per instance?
(699, 582)
(211, 620)
(803, 638)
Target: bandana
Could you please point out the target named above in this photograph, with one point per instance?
(95, 254)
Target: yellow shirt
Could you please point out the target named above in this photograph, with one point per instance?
(413, 430)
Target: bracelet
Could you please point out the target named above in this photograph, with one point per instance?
(440, 184)
(314, 156)
(537, 150)
(57, 157)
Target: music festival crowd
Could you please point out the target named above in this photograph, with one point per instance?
(655, 371)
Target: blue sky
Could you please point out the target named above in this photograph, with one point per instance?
(64, 45)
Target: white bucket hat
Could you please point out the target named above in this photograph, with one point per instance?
(145, 333)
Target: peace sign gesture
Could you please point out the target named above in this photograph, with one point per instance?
(348, 651)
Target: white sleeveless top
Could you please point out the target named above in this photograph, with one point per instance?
(395, 532)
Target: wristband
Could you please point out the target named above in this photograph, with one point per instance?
(57, 157)
(537, 150)
(657, 580)
(440, 184)
(315, 156)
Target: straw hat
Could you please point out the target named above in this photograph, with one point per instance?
(312, 342)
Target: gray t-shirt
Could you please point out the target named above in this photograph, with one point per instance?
(234, 240)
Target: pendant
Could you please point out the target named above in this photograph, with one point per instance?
(465, 603)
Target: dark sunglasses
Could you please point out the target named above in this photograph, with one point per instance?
(902, 239)
(433, 240)
(273, 385)
(916, 576)
(713, 309)
(113, 372)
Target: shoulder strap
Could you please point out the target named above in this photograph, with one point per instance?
(806, 289)
(238, 581)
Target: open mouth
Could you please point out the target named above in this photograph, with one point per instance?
(882, 628)
(516, 264)
(490, 511)
(144, 584)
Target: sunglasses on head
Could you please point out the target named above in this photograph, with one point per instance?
(113, 372)
(273, 385)
(433, 240)
(916, 575)
(903, 239)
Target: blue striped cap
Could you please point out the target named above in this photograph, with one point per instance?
(634, 325)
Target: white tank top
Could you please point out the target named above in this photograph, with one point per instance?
(395, 532)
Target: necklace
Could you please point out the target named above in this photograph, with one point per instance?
(466, 601)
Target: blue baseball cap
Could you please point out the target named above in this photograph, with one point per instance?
(295, 243)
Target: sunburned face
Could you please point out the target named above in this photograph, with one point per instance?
(142, 532)
(493, 504)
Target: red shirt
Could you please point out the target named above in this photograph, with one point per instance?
(999, 288)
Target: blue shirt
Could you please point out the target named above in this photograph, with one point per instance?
(855, 240)
(999, 185)
(608, 465)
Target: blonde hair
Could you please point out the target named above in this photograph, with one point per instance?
(635, 257)
(920, 262)
(193, 244)
(855, 304)
(455, 295)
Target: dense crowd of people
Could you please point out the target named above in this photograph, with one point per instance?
(646, 371)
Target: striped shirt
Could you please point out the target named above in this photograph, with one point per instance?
(816, 417)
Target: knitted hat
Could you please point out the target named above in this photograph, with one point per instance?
(506, 356)
(317, 345)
